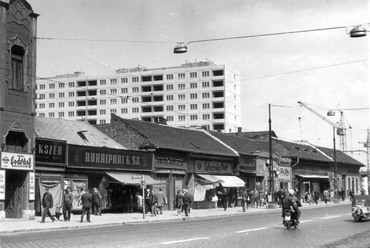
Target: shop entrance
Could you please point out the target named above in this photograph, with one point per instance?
(13, 195)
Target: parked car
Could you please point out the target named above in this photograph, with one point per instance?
(361, 207)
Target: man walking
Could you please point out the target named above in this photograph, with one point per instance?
(187, 200)
(86, 205)
(47, 203)
(67, 204)
(161, 200)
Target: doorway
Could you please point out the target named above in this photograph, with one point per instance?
(14, 181)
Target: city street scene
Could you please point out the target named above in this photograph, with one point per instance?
(184, 123)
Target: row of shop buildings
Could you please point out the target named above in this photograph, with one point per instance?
(117, 157)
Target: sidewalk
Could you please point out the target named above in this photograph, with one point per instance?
(18, 225)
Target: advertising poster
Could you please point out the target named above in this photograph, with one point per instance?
(2, 184)
(32, 186)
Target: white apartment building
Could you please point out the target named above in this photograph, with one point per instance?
(199, 94)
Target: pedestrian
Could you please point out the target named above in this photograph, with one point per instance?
(225, 198)
(153, 202)
(67, 204)
(147, 201)
(47, 203)
(309, 197)
(351, 195)
(179, 202)
(86, 200)
(187, 199)
(316, 195)
(214, 200)
(326, 196)
(296, 205)
(161, 201)
(331, 195)
(139, 201)
(244, 200)
(96, 202)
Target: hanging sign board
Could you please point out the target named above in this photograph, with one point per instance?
(17, 161)
(2, 184)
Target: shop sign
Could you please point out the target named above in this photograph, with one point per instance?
(170, 161)
(213, 167)
(2, 184)
(105, 158)
(17, 161)
(284, 173)
(247, 163)
(32, 186)
(50, 151)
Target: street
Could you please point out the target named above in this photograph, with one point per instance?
(320, 227)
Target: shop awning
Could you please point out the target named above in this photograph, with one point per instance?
(314, 176)
(210, 178)
(231, 181)
(127, 178)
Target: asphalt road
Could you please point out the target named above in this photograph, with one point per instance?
(320, 227)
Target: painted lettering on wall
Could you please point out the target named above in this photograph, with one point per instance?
(216, 167)
(92, 157)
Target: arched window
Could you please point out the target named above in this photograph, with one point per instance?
(17, 68)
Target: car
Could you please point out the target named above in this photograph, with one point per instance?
(361, 207)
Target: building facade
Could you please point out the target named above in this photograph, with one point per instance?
(194, 94)
(18, 25)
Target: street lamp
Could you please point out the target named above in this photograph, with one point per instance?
(271, 163)
(357, 31)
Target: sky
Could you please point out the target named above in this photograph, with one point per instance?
(324, 69)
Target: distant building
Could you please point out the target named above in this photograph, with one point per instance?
(199, 94)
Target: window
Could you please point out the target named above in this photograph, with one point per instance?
(193, 75)
(218, 116)
(42, 96)
(42, 105)
(135, 110)
(218, 83)
(135, 99)
(218, 94)
(193, 117)
(205, 105)
(181, 97)
(169, 76)
(135, 79)
(71, 113)
(71, 104)
(113, 111)
(124, 80)
(51, 115)
(61, 105)
(103, 102)
(42, 114)
(169, 108)
(113, 101)
(218, 73)
(60, 114)
(193, 96)
(169, 87)
(181, 86)
(124, 90)
(61, 95)
(181, 76)
(169, 98)
(205, 95)
(124, 100)
(181, 107)
(169, 118)
(52, 95)
(42, 86)
(218, 105)
(193, 85)
(205, 73)
(61, 85)
(193, 106)
(113, 91)
(124, 110)
(71, 84)
(103, 82)
(135, 89)
(218, 127)
(181, 118)
(71, 94)
(17, 65)
(102, 112)
(146, 78)
(103, 92)
(205, 116)
(205, 84)
(113, 81)
(51, 86)
(102, 122)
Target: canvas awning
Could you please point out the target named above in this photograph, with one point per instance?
(231, 181)
(210, 178)
(132, 178)
(314, 176)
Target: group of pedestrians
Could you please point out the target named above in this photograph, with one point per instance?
(88, 201)
(154, 201)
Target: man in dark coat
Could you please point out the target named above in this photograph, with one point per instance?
(67, 204)
(47, 203)
(187, 200)
(86, 200)
(96, 202)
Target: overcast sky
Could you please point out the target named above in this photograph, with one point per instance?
(326, 69)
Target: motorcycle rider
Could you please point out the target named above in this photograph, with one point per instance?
(288, 204)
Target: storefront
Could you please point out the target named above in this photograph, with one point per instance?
(170, 168)
(116, 173)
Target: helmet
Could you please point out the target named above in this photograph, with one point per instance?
(291, 192)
